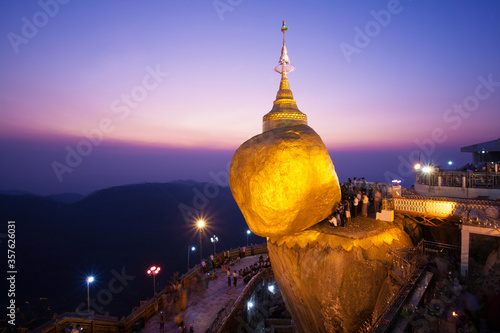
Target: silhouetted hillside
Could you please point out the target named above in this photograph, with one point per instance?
(112, 233)
(67, 197)
(14, 192)
(62, 197)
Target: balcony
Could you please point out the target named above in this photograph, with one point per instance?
(457, 184)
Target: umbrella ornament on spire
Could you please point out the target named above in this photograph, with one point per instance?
(284, 66)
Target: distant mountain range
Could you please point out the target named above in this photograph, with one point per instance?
(115, 234)
(63, 197)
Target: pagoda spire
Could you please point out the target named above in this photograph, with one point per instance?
(284, 66)
(285, 111)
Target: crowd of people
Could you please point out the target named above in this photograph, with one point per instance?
(248, 272)
(358, 198)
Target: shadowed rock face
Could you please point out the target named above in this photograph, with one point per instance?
(331, 277)
(284, 181)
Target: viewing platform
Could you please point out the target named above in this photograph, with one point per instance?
(479, 180)
(458, 184)
(472, 216)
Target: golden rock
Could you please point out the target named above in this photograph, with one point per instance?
(284, 181)
(332, 279)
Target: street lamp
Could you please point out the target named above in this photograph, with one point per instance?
(192, 249)
(90, 279)
(201, 225)
(153, 271)
(214, 240)
(248, 234)
(427, 169)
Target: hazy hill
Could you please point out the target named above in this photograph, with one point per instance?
(124, 229)
(62, 197)
(67, 197)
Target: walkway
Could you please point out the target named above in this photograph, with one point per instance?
(202, 307)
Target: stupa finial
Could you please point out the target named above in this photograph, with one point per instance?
(285, 111)
(284, 66)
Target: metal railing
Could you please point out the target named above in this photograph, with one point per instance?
(482, 213)
(407, 264)
(233, 319)
(221, 316)
(457, 179)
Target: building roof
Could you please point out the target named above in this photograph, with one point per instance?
(489, 146)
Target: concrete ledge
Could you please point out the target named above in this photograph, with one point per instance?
(386, 215)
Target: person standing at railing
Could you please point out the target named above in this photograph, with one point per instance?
(377, 198)
(162, 322)
(355, 206)
(235, 278)
(360, 203)
(363, 185)
(347, 210)
(341, 213)
(364, 209)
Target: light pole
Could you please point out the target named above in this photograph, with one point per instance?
(201, 224)
(427, 170)
(90, 279)
(417, 168)
(248, 234)
(153, 271)
(192, 249)
(214, 240)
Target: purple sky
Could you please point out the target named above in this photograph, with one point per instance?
(170, 89)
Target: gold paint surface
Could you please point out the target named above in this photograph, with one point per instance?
(331, 277)
(376, 234)
(284, 181)
(285, 112)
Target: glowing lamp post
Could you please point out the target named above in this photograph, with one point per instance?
(214, 240)
(201, 225)
(248, 234)
(90, 279)
(427, 169)
(192, 249)
(153, 271)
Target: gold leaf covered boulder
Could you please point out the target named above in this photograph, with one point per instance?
(284, 180)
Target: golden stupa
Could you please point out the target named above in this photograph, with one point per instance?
(285, 111)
